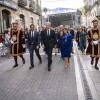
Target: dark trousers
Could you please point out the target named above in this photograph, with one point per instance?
(49, 53)
(15, 58)
(96, 60)
(31, 50)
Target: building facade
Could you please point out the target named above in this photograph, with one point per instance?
(28, 11)
(92, 9)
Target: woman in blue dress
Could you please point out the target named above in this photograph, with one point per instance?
(67, 45)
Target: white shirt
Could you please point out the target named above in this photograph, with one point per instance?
(48, 32)
(32, 33)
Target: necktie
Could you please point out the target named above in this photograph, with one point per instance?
(32, 34)
(47, 32)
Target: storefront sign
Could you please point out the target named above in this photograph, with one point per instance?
(9, 3)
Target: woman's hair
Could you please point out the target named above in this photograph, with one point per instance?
(83, 28)
(6, 31)
(65, 29)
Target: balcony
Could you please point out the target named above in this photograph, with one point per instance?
(87, 8)
(22, 2)
(97, 2)
(38, 9)
(9, 3)
(32, 5)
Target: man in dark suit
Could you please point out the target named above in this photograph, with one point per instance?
(33, 40)
(48, 38)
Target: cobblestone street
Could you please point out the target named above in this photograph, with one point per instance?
(37, 84)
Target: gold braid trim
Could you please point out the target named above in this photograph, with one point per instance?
(15, 43)
(91, 43)
(99, 44)
(18, 41)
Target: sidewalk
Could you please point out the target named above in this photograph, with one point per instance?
(93, 75)
(38, 84)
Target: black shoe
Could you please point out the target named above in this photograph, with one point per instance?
(16, 65)
(51, 62)
(92, 62)
(40, 62)
(31, 67)
(96, 67)
(23, 61)
(49, 68)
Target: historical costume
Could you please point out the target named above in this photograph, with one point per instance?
(18, 45)
(94, 44)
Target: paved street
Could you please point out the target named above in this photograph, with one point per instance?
(94, 75)
(59, 84)
(38, 84)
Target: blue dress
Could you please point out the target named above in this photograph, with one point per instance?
(67, 45)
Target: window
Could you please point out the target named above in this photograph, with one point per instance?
(31, 20)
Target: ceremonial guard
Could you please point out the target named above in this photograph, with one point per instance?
(18, 43)
(94, 43)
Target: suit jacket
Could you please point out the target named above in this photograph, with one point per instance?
(48, 40)
(35, 40)
(72, 32)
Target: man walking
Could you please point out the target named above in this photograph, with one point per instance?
(94, 43)
(33, 41)
(18, 45)
(48, 42)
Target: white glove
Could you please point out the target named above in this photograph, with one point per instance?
(24, 46)
(96, 42)
(11, 42)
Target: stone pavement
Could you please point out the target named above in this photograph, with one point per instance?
(38, 84)
(93, 75)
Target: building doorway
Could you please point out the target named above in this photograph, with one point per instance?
(6, 19)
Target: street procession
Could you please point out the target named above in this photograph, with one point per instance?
(49, 50)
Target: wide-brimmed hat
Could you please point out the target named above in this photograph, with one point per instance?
(95, 19)
(16, 20)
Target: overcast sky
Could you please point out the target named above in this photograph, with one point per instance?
(62, 3)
